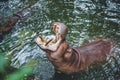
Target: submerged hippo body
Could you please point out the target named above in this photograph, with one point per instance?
(6, 24)
(75, 59)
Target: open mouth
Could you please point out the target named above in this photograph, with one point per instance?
(40, 41)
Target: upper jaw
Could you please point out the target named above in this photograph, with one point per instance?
(54, 26)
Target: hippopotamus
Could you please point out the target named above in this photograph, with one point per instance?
(71, 60)
(7, 23)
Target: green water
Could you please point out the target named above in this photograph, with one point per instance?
(87, 20)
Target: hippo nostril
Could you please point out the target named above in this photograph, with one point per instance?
(54, 27)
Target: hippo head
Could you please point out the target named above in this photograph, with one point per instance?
(59, 29)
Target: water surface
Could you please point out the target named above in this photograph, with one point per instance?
(87, 20)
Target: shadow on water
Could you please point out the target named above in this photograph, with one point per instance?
(87, 20)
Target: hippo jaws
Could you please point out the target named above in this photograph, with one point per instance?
(73, 59)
